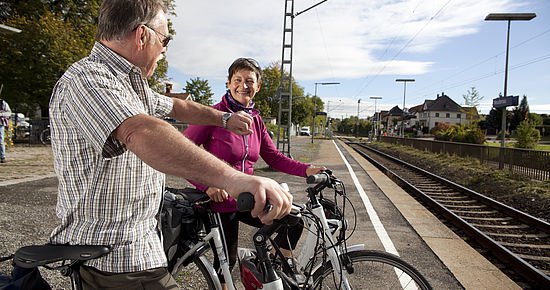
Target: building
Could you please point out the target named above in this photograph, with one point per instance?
(442, 110)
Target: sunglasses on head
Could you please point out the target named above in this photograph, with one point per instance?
(165, 38)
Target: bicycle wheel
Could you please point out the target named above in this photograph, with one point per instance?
(372, 270)
(198, 275)
(45, 136)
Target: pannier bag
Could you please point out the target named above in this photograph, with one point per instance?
(180, 221)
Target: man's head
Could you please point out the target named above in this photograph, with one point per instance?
(136, 29)
(244, 79)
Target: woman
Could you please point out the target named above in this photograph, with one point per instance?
(241, 152)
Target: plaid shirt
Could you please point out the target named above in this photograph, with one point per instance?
(107, 195)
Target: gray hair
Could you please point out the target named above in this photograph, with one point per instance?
(119, 17)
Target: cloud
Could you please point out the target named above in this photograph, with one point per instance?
(347, 39)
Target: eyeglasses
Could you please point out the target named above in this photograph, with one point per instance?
(166, 38)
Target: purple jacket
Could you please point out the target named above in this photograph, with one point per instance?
(241, 152)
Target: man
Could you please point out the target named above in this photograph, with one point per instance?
(110, 146)
(5, 114)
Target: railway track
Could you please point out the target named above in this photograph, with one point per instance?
(519, 241)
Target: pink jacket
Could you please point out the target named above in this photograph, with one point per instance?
(241, 152)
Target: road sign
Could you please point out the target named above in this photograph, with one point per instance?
(320, 113)
(503, 102)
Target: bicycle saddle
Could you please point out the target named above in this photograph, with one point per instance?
(34, 256)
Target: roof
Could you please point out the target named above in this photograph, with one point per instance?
(442, 103)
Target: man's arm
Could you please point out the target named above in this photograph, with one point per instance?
(198, 114)
(164, 148)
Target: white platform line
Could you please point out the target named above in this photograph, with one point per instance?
(378, 226)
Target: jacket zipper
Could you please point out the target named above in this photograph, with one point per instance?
(245, 139)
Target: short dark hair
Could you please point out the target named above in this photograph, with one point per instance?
(245, 63)
(119, 17)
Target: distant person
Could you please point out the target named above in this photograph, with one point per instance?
(242, 152)
(5, 115)
(111, 149)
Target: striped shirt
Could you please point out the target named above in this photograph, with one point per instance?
(106, 195)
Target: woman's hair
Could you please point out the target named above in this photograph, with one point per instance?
(119, 17)
(245, 63)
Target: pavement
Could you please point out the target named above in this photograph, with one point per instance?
(28, 195)
(26, 162)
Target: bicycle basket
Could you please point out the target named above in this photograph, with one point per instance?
(179, 219)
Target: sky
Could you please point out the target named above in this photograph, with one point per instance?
(446, 46)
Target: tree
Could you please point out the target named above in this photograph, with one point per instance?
(55, 34)
(200, 90)
(267, 99)
(471, 102)
(527, 135)
(520, 113)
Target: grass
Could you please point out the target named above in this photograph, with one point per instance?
(543, 147)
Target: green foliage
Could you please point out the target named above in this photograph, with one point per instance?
(527, 136)
(458, 133)
(519, 114)
(200, 90)
(472, 97)
(54, 34)
(267, 99)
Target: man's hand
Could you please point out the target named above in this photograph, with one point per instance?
(265, 190)
(216, 194)
(240, 123)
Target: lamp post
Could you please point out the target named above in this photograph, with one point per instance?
(375, 98)
(315, 105)
(507, 17)
(403, 113)
(357, 124)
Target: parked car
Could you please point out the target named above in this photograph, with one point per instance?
(21, 127)
(304, 131)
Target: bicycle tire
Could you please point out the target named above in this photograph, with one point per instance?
(373, 270)
(197, 275)
(45, 136)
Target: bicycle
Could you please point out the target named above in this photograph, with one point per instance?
(324, 262)
(45, 136)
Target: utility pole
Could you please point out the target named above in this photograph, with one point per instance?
(376, 117)
(403, 112)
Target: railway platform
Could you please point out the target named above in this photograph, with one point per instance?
(389, 219)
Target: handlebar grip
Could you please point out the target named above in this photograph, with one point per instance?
(317, 178)
(245, 202)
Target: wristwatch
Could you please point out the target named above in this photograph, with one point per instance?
(225, 118)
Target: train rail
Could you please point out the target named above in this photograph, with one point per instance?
(520, 241)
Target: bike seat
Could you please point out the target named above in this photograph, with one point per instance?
(34, 256)
(191, 194)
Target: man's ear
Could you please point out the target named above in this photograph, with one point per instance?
(140, 37)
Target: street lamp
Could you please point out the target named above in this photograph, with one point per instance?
(376, 118)
(403, 112)
(315, 105)
(507, 17)
(357, 124)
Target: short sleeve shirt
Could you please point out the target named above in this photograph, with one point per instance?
(107, 195)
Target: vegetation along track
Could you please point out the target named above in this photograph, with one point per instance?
(520, 241)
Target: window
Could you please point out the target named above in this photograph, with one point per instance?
(458, 116)
(437, 114)
(448, 115)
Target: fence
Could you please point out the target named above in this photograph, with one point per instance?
(534, 164)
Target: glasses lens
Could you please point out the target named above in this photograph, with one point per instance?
(166, 40)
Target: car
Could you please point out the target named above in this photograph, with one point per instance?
(304, 131)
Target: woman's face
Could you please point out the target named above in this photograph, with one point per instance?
(244, 85)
